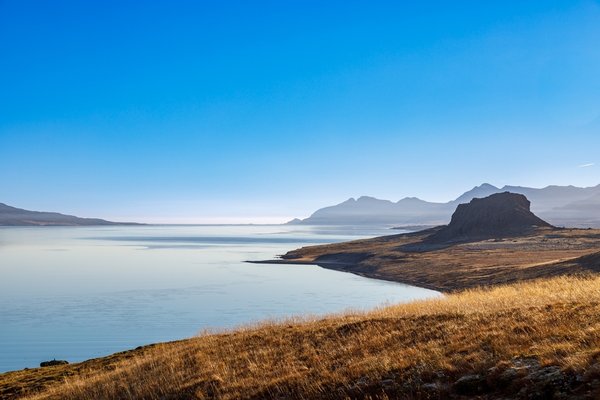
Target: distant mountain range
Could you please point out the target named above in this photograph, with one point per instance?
(559, 205)
(11, 216)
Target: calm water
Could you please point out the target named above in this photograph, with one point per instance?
(78, 293)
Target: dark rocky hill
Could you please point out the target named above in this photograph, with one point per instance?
(496, 216)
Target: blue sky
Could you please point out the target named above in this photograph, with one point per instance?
(191, 111)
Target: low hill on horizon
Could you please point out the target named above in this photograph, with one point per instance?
(12, 216)
(569, 206)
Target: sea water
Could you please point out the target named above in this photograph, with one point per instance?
(76, 293)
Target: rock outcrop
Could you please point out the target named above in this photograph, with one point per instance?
(496, 216)
(53, 363)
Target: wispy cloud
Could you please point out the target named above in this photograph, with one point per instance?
(587, 165)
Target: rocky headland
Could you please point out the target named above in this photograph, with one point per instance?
(489, 241)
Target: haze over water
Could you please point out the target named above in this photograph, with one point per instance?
(77, 293)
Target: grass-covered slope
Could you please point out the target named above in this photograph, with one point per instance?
(539, 339)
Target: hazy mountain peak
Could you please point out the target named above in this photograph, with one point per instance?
(368, 198)
(483, 190)
(406, 200)
(409, 199)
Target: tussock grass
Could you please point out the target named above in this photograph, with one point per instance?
(414, 350)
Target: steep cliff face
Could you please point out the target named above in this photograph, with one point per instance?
(498, 215)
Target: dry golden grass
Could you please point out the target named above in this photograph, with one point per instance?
(543, 336)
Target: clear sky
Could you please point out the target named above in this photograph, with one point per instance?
(221, 111)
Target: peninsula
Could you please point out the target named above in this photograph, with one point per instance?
(490, 241)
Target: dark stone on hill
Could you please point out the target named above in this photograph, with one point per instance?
(469, 385)
(499, 215)
(52, 363)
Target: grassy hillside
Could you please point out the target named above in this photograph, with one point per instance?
(539, 339)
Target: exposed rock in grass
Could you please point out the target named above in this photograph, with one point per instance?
(53, 363)
(469, 385)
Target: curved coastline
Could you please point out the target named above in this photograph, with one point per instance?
(410, 259)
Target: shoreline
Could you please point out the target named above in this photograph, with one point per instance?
(410, 259)
(434, 333)
(342, 267)
(140, 350)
